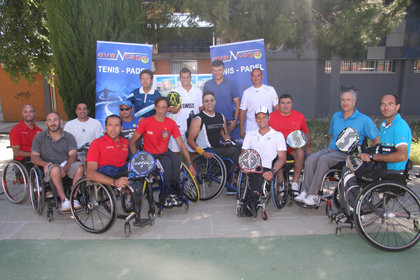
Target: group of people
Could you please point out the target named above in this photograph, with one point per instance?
(203, 120)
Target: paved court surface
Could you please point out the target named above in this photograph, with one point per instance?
(207, 242)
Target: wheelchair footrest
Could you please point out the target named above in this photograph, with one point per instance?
(143, 222)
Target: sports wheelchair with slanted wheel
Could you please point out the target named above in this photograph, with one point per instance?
(44, 192)
(386, 212)
(15, 181)
(250, 164)
(99, 201)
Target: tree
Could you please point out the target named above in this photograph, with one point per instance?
(75, 26)
(24, 39)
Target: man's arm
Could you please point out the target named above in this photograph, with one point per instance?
(376, 141)
(17, 152)
(37, 160)
(236, 116)
(192, 135)
(241, 123)
(224, 132)
(308, 144)
(186, 154)
(93, 174)
(132, 144)
(72, 158)
(399, 155)
(277, 166)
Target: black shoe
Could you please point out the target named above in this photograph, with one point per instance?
(418, 175)
(253, 209)
(176, 201)
(167, 203)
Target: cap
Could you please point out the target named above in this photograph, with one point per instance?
(262, 109)
(126, 103)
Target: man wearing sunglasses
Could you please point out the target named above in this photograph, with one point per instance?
(129, 122)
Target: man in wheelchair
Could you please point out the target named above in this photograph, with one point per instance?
(55, 151)
(156, 131)
(390, 157)
(270, 144)
(22, 135)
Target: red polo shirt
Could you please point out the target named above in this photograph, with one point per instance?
(156, 134)
(106, 151)
(21, 135)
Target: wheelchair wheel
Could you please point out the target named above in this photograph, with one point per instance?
(280, 191)
(211, 176)
(15, 181)
(36, 191)
(98, 211)
(387, 216)
(330, 183)
(189, 184)
(243, 182)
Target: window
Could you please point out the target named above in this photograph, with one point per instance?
(362, 66)
(176, 66)
(417, 66)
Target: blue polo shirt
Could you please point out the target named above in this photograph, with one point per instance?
(128, 128)
(396, 133)
(225, 92)
(364, 126)
(144, 104)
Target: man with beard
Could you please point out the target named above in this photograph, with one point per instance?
(55, 151)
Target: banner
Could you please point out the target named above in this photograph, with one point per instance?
(118, 66)
(239, 59)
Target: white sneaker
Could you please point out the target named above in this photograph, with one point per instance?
(311, 200)
(295, 187)
(76, 204)
(65, 205)
(301, 197)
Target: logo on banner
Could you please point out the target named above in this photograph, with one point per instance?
(126, 56)
(255, 53)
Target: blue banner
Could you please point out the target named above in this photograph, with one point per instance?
(239, 59)
(118, 66)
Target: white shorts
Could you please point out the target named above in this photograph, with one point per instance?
(173, 145)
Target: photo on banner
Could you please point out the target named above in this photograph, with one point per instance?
(240, 59)
(118, 66)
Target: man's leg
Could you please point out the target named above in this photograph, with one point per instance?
(310, 169)
(56, 178)
(299, 157)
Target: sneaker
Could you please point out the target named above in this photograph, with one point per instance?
(295, 187)
(311, 200)
(65, 205)
(76, 205)
(301, 197)
(175, 200)
(167, 203)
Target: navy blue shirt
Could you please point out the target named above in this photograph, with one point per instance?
(225, 92)
(144, 104)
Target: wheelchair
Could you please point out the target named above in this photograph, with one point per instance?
(250, 162)
(42, 193)
(99, 201)
(15, 181)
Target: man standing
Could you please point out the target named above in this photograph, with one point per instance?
(191, 101)
(156, 131)
(318, 163)
(254, 97)
(287, 120)
(269, 144)
(83, 128)
(55, 151)
(143, 98)
(226, 93)
(22, 135)
(129, 122)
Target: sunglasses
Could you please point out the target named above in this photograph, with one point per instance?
(208, 100)
(125, 109)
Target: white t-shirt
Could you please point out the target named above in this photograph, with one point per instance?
(84, 132)
(266, 145)
(190, 101)
(253, 98)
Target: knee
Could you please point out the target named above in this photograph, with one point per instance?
(55, 172)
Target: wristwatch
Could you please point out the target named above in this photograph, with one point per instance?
(274, 171)
(371, 157)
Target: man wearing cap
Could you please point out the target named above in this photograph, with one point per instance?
(83, 128)
(143, 98)
(287, 120)
(320, 162)
(207, 128)
(22, 135)
(226, 92)
(129, 122)
(191, 102)
(253, 97)
(269, 144)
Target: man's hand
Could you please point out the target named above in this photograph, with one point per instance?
(122, 182)
(46, 167)
(308, 151)
(207, 155)
(268, 175)
(192, 170)
(232, 125)
(242, 133)
(364, 157)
